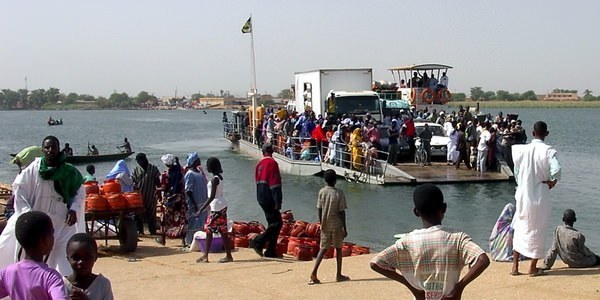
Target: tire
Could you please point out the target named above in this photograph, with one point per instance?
(128, 239)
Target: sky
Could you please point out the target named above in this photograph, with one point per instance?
(99, 47)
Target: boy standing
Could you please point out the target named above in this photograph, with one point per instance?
(429, 260)
(31, 278)
(332, 215)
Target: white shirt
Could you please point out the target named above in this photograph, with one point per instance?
(219, 202)
(484, 137)
(444, 81)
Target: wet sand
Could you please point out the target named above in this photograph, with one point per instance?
(156, 272)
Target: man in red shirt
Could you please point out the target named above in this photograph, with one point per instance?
(269, 195)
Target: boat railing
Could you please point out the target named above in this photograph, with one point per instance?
(296, 148)
(293, 148)
(368, 161)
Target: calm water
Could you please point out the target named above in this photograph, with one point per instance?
(375, 213)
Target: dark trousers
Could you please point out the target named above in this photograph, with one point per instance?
(463, 157)
(271, 234)
(149, 217)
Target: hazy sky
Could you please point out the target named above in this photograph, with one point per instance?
(96, 47)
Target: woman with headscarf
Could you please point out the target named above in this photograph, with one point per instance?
(501, 248)
(52, 186)
(196, 194)
(121, 173)
(356, 149)
(173, 215)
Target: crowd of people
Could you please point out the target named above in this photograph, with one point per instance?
(353, 142)
(45, 252)
(48, 193)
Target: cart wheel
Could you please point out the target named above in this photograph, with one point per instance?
(128, 235)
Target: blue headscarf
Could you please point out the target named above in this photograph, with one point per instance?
(192, 158)
(120, 167)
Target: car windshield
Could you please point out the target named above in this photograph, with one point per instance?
(436, 130)
(357, 104)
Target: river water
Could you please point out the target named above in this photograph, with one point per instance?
(375, 213)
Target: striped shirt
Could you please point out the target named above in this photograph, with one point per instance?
(146, 182)
(431, 258)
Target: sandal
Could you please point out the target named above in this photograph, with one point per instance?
(225, 260)
(538, 272)
(516, 273)
(314, 281)
(202, 259)
(342, 278)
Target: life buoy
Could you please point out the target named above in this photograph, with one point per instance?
(413, 95)
(444, 95)
(427, 95)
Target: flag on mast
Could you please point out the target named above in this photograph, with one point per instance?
(247, 28)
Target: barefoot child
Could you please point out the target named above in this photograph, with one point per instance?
(31, 278)
(82, 253)
(217, 221)
(332, 215)
(429, 260)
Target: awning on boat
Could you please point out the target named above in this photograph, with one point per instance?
(421, 67)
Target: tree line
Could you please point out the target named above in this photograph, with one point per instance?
(50, 98)
(478, 94)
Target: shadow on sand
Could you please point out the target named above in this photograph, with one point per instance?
(573, 271)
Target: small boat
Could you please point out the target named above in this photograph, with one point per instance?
(52, 122)
(84, 159)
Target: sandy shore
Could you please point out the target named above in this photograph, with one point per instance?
(156, 272)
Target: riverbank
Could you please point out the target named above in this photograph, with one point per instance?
(156, 272)
(526, 104)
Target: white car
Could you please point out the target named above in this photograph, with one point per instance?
(439, 142)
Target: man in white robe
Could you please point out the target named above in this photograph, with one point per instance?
(37, 194)
(536, 170)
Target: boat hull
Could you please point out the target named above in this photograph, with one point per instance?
(286, 165)
(84, 159)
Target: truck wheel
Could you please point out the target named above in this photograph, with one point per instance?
(128, 235)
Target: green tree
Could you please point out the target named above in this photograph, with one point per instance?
(459, 97)
(11, 98)
(477, 93)
(529, 95)
(587, 95)
(120, 100)
(285, 94)
(489, 95)
(142, 98)
(37, 98)
(52, 95)
(24, 98)
(2, 100)
(71, 98)
(87, 98)
(102, 102)
(504, 95)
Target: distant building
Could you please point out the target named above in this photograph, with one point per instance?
(561, 97)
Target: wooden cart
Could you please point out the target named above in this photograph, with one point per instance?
(114, 225)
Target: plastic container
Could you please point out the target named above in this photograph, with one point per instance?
(216, 245)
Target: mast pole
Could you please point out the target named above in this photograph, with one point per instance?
(253, 91)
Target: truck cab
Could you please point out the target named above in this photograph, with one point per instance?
(356, 103)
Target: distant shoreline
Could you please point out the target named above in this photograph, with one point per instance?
(527, 104)
(482, 105)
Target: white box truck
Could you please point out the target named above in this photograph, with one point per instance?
(336, 92)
